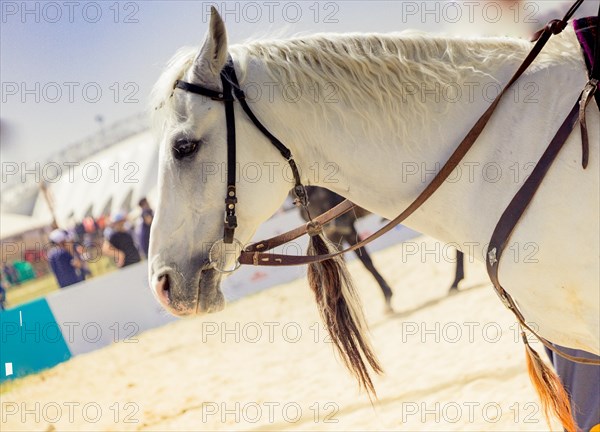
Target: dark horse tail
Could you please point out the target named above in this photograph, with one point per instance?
(341, 310)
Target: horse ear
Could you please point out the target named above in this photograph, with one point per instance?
(213, 54)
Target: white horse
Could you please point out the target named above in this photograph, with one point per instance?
(387, 110)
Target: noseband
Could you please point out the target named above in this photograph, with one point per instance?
(232, 91)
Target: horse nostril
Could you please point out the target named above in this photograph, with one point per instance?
(163, 289)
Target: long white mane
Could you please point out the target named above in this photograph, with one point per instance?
(369, 73)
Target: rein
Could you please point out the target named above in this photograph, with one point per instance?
(256, 253)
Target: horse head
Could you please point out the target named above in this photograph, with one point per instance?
(192, 183)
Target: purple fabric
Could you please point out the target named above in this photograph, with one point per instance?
(585, 29)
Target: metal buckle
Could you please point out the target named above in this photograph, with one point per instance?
(492, 257)
(219, 252)
(231, 220)
(590, 88)
(301, 195)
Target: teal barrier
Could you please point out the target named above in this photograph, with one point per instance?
(30, 340)
(24, 271)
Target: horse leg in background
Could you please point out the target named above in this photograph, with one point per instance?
(364, 257)
(460, 272)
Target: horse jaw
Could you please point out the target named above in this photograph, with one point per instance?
(210, 295)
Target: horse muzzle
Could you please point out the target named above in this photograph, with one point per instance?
(195, 294)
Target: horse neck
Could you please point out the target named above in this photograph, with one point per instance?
(381, 149)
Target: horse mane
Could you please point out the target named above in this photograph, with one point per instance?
(373, 71)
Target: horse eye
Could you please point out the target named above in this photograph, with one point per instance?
(184, 148)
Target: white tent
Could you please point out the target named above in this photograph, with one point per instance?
(111, 180)
(15, 224)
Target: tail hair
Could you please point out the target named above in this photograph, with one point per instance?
(549, 388)
(341, 310)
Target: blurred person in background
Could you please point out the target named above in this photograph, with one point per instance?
(64, 266)
(79, 231)
(119, 243)
(79, 256)
(144, 227)
(89, 225)
(101, 222)
(10, 274)
(2, 295)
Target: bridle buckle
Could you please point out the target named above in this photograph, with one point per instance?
(218, 253)
(231, 220)
(301, 195)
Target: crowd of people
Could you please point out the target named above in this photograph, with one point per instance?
(123, 240)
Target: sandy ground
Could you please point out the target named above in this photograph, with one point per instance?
(264, 363)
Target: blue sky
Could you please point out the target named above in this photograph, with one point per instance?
(62, 53)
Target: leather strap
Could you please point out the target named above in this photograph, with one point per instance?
(589, 92)
(232, 91)
(560, 24)
(513, 213)
(285, 152)
(517, 207)
(515, 310)
(510, 218)
(193, 88)
(333, 213)
(230, 223)
(586, 97)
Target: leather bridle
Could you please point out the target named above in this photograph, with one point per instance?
(232, 91)
(256, 253)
